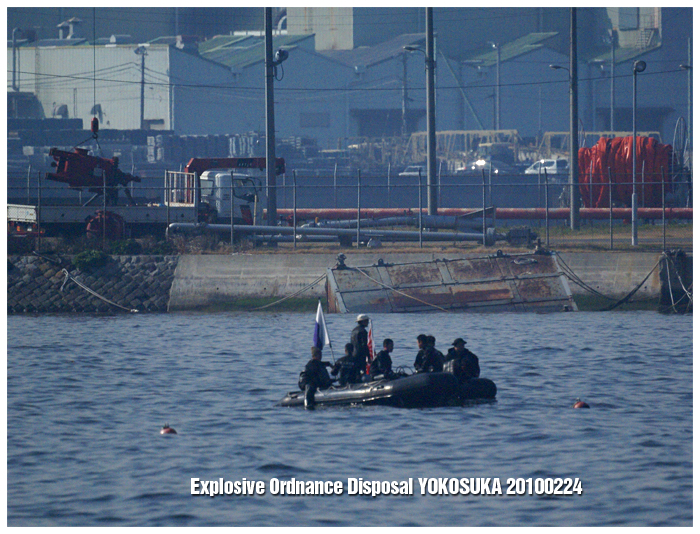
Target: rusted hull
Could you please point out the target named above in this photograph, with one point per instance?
(521, 282)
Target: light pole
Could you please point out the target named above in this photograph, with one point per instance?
(430, 107)
(689, 69)
(611, 39)
(141, 51)
(497, 47)
(638, 67)
(574, 200)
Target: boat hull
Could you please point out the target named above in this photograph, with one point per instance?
(422, 390)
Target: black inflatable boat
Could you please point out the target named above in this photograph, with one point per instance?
(421, 390)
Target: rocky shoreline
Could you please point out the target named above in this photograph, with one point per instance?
(39, 284)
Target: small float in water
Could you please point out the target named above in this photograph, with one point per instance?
(419, 390)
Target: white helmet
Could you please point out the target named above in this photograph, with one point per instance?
(362, 317)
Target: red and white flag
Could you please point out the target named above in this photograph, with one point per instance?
(370, 345)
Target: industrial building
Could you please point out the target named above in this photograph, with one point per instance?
(348, 74)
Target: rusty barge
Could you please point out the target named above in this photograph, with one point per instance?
(493, 283)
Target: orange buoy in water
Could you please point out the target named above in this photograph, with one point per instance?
(580, 404)
(167, 430)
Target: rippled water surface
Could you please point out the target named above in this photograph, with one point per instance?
(87, 397)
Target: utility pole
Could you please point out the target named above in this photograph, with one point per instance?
(141, 51)
(271, 182)
(612, 80)
(573, 126)
(430, 105)
(404, 98)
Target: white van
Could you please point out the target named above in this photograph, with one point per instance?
(552, 166)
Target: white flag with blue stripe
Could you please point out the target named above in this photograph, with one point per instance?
(321, 337)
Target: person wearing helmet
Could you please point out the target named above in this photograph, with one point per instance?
(358, 338)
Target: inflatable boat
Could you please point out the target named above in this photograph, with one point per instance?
(420, 390)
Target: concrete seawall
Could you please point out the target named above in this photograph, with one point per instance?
(246, 281)
(205, 281)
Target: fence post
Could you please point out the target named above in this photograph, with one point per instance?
(663, 204)
(388, 187)
(439, 180)
(167, 197)
(610, 195)
(29, 173)
(38, 214)
(231, 199)
(294, 206)
(335, 185)
(590, 185)
(104, 207)
(420, 209)
(359, 198)
(483, 207)
(546, 206)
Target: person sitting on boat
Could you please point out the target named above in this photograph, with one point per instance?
(346, 368)
(358, 338)
(464, 363)
(431, 342)
(314, 377)
(381, 365)
(428, 359)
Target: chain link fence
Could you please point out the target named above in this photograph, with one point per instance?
(502, 201)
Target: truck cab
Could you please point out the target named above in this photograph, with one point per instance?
(217, 186)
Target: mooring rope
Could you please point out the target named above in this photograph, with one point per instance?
(571, 275)
(312, 284)
(629, 295)
(83, 286)
(401, 292)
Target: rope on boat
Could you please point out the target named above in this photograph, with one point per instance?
(312, 284)
(401, 292)
(83, 286)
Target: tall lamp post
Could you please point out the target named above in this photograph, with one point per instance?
(574, 198)
(638, 67)
(689, 69)
(430, 107)
(497, 47)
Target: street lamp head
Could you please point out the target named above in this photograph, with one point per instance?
(557, 67)
(639, 66)
(280, 56)
(493, 45)
(685, 67)
(411, 48)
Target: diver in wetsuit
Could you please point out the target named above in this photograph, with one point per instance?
(314, 377)
(346, 368)
(359, 338)
(381, 365)
(428, 359)
(464, 363)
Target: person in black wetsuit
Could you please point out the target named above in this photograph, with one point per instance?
(381, 365)
(346, 368)
(314, 377)
(428, 358)
(465, 364)
(358, 338)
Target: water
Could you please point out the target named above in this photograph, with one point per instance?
(87, 397)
